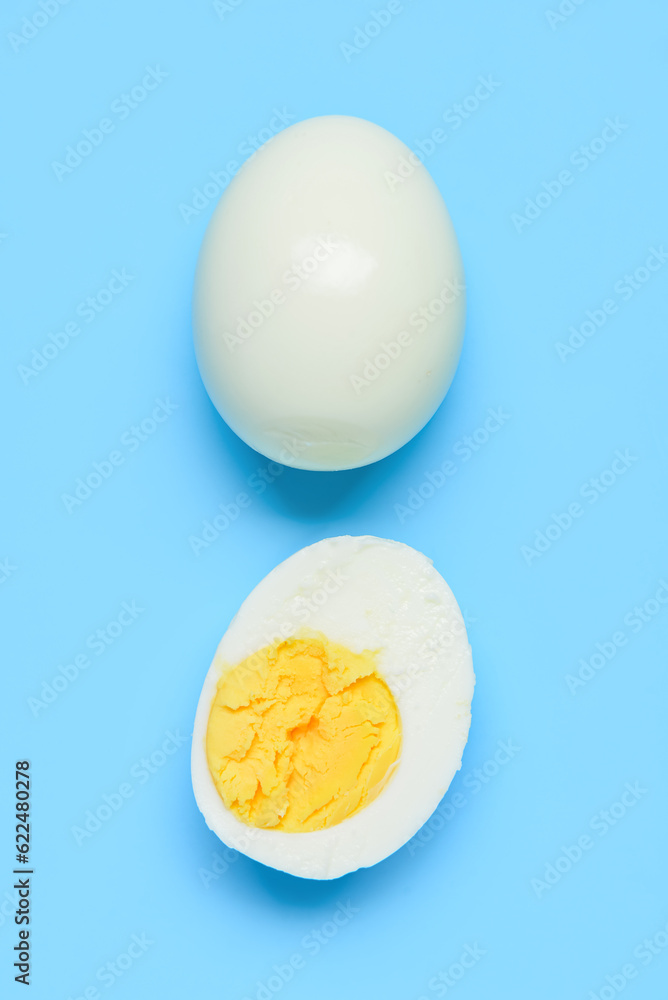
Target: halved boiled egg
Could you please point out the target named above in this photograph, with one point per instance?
(336, 710)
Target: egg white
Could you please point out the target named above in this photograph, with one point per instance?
(364, 593)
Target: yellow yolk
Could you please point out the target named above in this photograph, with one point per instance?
(302, 734)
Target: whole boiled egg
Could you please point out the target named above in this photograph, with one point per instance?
(336, 710)
(329, 296)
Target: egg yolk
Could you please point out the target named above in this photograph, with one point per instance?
(302, 734)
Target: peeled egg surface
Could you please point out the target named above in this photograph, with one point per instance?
(336, 709)
(329, 296)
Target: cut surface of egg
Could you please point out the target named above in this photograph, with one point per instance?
(336, 710)
(329, 296)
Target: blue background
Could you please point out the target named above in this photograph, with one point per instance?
(531, 620)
